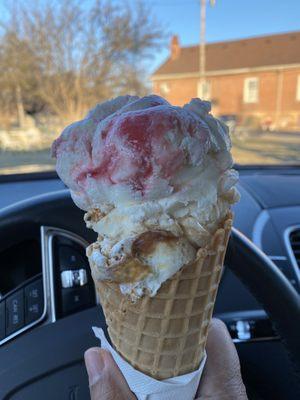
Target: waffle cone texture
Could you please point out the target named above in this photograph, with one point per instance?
(165, 335)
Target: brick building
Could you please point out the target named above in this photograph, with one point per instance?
(256, 79)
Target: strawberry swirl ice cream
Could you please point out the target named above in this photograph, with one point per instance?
(155, 181)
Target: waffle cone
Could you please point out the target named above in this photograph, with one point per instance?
(165, 335)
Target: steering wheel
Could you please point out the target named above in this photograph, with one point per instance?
(46, 362)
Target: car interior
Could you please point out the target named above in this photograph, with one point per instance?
(49, 62)
(43, 237)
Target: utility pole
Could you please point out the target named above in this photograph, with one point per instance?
(278, 98)
(202, 39)
(202, 45)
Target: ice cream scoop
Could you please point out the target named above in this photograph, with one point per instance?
(140, 166)
(134, 152)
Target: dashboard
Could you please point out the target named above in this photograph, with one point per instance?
(268, 214)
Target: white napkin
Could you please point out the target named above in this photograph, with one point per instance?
(147, 388)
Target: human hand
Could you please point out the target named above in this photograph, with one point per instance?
(106, 381)
(221, 378)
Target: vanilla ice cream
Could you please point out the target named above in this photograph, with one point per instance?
(155, 181)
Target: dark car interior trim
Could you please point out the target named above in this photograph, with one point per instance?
(42, 200)
(47, 235)
(34, 323)
(287, 242)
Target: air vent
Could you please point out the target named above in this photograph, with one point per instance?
(295, 244)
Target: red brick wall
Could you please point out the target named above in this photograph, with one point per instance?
(181, 90)
(227, 94)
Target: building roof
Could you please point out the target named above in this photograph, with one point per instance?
(254, 52)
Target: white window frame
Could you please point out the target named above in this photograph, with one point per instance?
(164, 88)
(249, 97)
(298, 88)
(204, 89)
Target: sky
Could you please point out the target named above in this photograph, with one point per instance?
(228, 19)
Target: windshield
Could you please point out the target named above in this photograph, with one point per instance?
(60, 58)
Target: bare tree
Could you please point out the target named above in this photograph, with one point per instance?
(18, 71)
(83, 51)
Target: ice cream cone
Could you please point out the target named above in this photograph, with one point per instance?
(156, 182)
(165, 335)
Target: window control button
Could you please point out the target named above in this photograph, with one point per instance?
(2, 320)
(34, 301)
(74, 299)
(71, 258)
(71, 278)
(14, 312)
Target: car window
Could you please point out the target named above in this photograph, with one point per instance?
(59, 59)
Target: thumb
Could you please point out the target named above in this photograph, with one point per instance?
(106, 381)
(222, 374)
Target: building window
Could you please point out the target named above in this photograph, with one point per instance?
(298, 89)
(204, 90)
(164, 88)
(251, 90)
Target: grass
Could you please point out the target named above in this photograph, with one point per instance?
(15, 162)
(267, 148)
(251, 148)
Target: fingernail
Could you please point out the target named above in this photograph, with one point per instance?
(94, 364)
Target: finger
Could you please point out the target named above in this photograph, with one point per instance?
(222, 373)
(106, 381)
